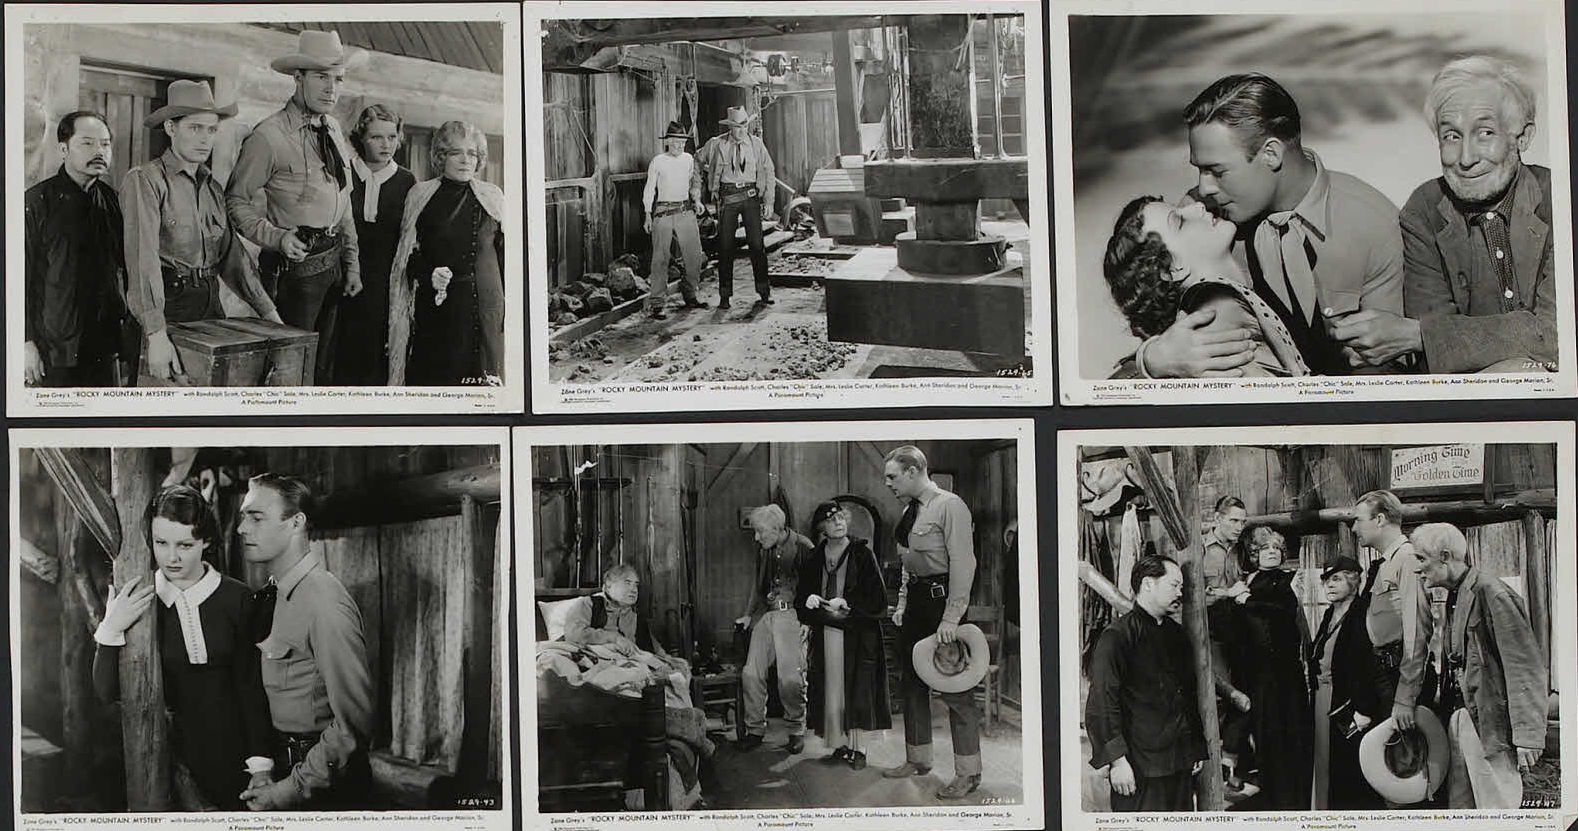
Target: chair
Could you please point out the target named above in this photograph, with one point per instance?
(990, 621)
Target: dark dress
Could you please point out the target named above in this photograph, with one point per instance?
(220, 711)
(362, 332)
(1274, 679)
(1354, 674)
(462, 340)
(865, 664)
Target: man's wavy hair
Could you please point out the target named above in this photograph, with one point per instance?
(1138, 268)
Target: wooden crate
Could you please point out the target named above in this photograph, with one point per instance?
(240, 352)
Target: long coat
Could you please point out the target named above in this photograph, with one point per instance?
(1279, 700)
(1504, 681)
(865, 664)
(1355, 675)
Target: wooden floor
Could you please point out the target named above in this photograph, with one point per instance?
(769, 778)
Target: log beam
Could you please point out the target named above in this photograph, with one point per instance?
(1536, 580)
(1465, 511)
(133, 475)
(405, 500)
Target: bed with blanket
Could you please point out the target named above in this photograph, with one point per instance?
(612, 730)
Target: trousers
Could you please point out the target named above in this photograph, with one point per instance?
(922, 614)
(750, 213)
(665, 231)
(778, 638)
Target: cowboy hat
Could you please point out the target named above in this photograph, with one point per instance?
(1107, 485)
(1405, 766)
(736, 117)
(675, 131)
(953, 667)
(317, 50)
(184, 98)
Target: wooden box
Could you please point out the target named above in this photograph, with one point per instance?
(240, 352)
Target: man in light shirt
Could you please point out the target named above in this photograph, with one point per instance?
(1398, 618)
(672, 200)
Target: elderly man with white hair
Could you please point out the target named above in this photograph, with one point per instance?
(1494, 680)
(1479, 285)
(777, 636)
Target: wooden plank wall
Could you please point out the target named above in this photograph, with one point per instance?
(727, 479)
(801, 134)
(428, 580)
(352, 554)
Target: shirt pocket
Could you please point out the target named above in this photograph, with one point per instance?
(927, 536)
(285, 665)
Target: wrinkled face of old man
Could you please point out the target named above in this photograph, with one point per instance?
(1482, 137)
(623, 588)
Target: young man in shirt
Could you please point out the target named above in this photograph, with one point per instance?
(672, 200)
(75, 300)
(320, 690)
(300, 160)
(178, 239)
(937, 548)
(1398, 616)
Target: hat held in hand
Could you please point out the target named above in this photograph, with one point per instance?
(953, 667)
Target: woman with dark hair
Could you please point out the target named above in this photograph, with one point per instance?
(1163, 262)
(212, 677)
(1276, 639)
(446, 316)
(840, 596)
(377, 197)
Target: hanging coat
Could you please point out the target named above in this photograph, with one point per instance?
(865, 663)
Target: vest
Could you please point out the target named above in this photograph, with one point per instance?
(600, 619)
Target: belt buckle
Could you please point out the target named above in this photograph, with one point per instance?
(782, 605)
(939, 590)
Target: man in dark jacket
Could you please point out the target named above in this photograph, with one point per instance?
(1141, 715)
(1479, 279)
(74, 284)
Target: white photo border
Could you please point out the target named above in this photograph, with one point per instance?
(1564, 620)
(549, 397)
(1076, 390)
(25, 401)
(1031, 813)
(501, 818)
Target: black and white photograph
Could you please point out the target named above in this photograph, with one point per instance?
(848, 203)
(264, 208)
(234, 626)
(1271, 204)
(1287, 624)
(738, 623)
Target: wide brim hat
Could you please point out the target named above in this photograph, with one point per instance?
(676, 131)
(1104, 487)
(736, 117)
(958, 678)
(315, 51)
(185, 98)
(1428, 768)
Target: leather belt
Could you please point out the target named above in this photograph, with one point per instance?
(936, 584)
(663, 209)
(179, 277)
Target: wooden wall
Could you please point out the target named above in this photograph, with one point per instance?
(647, 522)
(801, 133)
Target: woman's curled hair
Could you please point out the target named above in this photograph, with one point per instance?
(1138, 269)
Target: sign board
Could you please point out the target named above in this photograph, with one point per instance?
(1438, 466)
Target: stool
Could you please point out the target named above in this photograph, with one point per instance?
(721, 690)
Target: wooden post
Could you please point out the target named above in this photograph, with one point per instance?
(941, 87)
(143, 724)
(1180, 514)
(1537, 580)
(76, 654)
(846, 81)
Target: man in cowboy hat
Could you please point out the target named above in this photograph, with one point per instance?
(672, 200)
(937, 548)
(1493, 681)
(739, 178)
(300, 160)
(1141, 713)
(75, 301)
(179, 241)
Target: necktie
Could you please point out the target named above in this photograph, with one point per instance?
(263, 601)
(739, 157)
(901, 532)
(1282, 244)
(1499, 245)
(1375, 569)
(329, 152)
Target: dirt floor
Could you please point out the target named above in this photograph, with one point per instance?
(787, 340)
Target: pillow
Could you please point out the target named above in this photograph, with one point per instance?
(554, 613)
